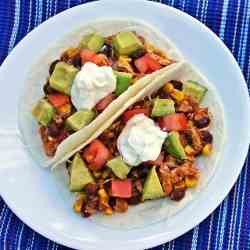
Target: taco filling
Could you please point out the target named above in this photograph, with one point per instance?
(149, 152)
(87, 78)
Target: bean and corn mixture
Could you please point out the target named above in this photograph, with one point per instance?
(56, 130)
(176, 175)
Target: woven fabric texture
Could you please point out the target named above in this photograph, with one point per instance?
(229, 226)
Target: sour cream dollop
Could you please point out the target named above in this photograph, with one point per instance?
(141, 140)
(91, 84)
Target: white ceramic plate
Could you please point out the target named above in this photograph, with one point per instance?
(31, 192)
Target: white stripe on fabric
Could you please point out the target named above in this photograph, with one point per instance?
(236, 24)
(33, 240)
(3, 217)
(210, 230)
(195, 238)
(40, 11)
(15, 26)
(163, 247)
(173, 245)
(6, 232)
(69, 4)
(17, 233)
(232, 216)
(36, 15)
(243, 35)
(50, 8)
(197, 9)
(48, 244)
(183, 5)
(55, 7)
(223, 222)
(47, 9)
(20, 238)
(242, 203)
(223, 19)
(30, 15)
(218, 227)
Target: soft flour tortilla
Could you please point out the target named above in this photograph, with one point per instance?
(157, 210)
(39, 73)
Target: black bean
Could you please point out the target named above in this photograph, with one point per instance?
(134, 200)
(91, 189)
(202, 122)
(76, 61)
(177, 84)
(52, 66)
(47, 89)
(164, 95)
(53, 130)
(206, 137)
(139, 53)
(177, 194)
(107, 50)
(143, 171)
(188, 136)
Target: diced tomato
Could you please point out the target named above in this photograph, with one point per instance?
(130, 113)
(147, 64)
(87, 55)
(142, 64)
(58, 100)
(104, 102)
(153, 65)
(96, 155)
(158, 161)
(121, 188)
(174, 122)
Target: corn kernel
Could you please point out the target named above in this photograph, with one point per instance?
(191, 182)
(71, 51)
(78, 205)
(65, 109)
(102, 193)
(189, 150)
(168, 87)
(177, 95)
(108, 211)
(207, 150)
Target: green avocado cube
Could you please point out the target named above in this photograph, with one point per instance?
(194, 90)
(123, 82)
(80, 175)
(62, 77)
(126, 43)
(162, 107)
(173, 145)
(43, 111)
(119, 167)
(152, 188)
(80, 119)
(92, 41)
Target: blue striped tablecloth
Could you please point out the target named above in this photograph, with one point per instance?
(229, 226)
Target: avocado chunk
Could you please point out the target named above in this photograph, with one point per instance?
(43, 111)
(152, 188)
(126, 43)
(119, 167)
(162, 107)
(62, 77)
(194, 90)
(80, 175)
(123, 81)
(92, 41)
(80, 119)
(173, 145)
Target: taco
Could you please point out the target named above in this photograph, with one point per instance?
(92, 73)
(165, 142)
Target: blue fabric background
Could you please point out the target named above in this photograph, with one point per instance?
(229, 226)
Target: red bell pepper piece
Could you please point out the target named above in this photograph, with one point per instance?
(130, 113)
(58, 100)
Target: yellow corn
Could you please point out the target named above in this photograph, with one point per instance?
(191, 181)
(189, 150)
(71, 51)
(207, 150)
(78, 205)
(65, 109)
(103, 194)
(178, 95)
(108, 211)
(168, 87)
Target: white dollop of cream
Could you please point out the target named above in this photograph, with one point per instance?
(91, 84)
(141, 140)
